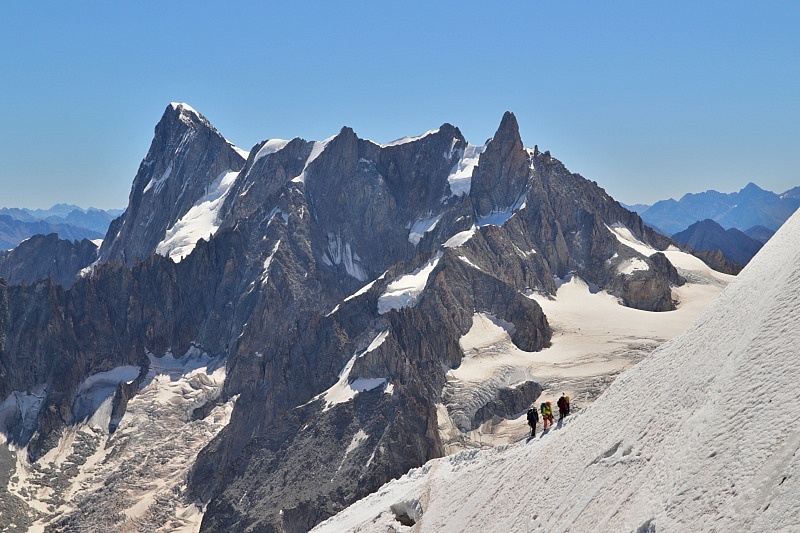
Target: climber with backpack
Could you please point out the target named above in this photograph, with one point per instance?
(533, 419)
(562, 407)
(547, 415)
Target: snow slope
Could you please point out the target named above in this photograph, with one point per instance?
(200, 222)
(703, 435)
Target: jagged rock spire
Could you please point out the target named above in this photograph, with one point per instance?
(502, 173)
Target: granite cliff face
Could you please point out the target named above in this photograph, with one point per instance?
(338, 278)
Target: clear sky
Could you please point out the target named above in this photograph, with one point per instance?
(649, 99)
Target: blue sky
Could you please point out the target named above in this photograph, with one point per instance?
(649, 99)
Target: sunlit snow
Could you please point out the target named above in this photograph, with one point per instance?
(95, 394)
(632, 265)
(460, 238)
(405, 140)
(268, 261)
(270, 147)
(200, 222)
(406, 290)
(316, 150)
(364, 289)
(460, 178)
(421, 227)
(624, 236)
(345, 390)
(501, 216)
(702, 435)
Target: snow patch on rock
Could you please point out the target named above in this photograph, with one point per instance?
(460, 238)
(268, 261)
(201, 221)
(460, 178)
(632, 265)
(316, 150)
(270, 147)
(345, 390)
(93, 400)
(406, 290)
(419, 228)
(339, 252)
(406, 140)
(626, 237)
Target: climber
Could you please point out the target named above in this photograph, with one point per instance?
(547, 415)
(562, 407)
(533, 419)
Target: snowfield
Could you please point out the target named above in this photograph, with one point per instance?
(200, 222)
(594, 339)
(703, 435)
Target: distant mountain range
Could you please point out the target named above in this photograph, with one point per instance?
(752, 206)
(734, 244)
(70, 222)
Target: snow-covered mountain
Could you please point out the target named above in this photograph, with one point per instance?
(374, 306)
(703, 435)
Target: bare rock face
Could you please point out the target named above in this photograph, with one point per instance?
(571, 218)
(500, 179)
(358, 444)
(717, 261)
(508, 402)
(264, 176)
(641, 290)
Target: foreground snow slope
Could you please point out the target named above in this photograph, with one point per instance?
(703, 435)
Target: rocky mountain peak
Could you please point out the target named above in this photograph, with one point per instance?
(186, 157)
(501, 177)
(508, 131)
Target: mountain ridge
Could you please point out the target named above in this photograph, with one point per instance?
(734, 244)
(751, 206)
(336, 280)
